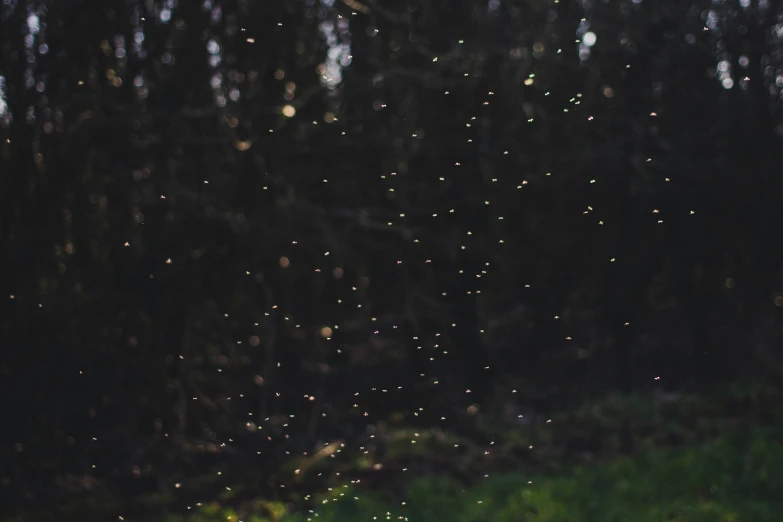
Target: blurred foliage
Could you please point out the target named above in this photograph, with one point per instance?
(731, 478)
(252, 247)
(692, 460)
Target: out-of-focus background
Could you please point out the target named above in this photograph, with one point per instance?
(419, 260)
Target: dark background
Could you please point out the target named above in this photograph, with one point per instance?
(234, 231)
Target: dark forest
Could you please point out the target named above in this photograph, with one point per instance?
(421, 260)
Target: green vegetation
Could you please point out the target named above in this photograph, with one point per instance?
(729, 479)
(690, 461)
